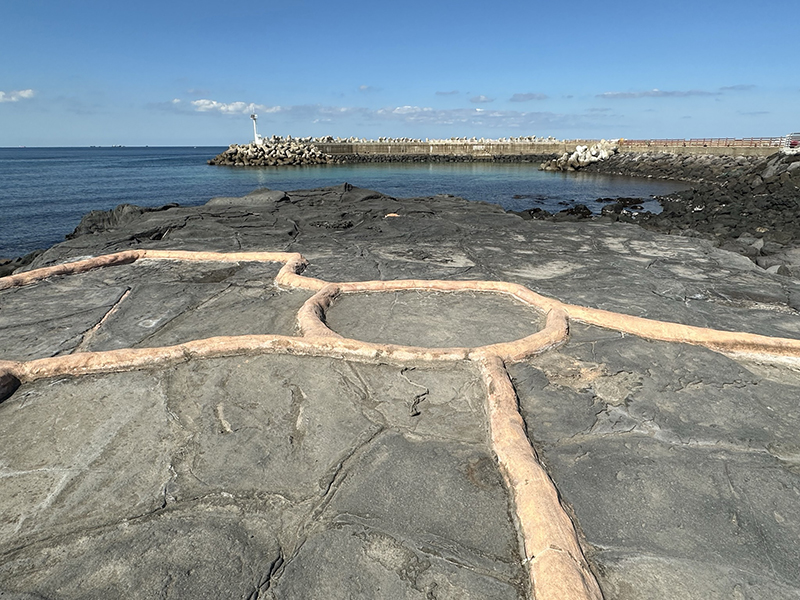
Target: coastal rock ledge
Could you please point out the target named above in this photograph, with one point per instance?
(346, 473)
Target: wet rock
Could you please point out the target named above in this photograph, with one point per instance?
(573, 213)
(729, 198)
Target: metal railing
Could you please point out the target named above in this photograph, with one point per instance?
(754, 142)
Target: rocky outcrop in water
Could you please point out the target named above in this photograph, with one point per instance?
(275, 151)
(582, 156)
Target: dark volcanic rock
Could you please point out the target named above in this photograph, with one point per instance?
(106, 220)
(299, 477)
(8, 266)
(731, 198)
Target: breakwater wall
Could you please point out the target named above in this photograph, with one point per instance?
(494, 148)
(467, 148)
(278, 151)
(764, 146)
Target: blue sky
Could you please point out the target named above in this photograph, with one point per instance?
(83, 72)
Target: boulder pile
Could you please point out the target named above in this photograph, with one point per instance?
(582, 156)
(747, 204)
(275, 151)
(683, 167)
(760, 199)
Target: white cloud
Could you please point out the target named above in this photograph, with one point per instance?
(464, 118)
(232, 108)
(527, 97)
(742, 87)
(469, 117)
(656, 93)
(404, 110)
(16, 95)
(481, 99)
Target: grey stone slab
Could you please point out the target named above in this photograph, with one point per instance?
(80, 453)
(377, 561)
(726, 512)
(680, 464)
(217, 478)
(290, 422)
(205, 552)
(614, 266)
(657, 578)
(687, 394)
(146, 310)
(421, 318)
(404, 487)
(440, 401)
(240, 310)
(51, 317)
(149, 303)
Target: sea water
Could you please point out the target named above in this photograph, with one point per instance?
(44, 192)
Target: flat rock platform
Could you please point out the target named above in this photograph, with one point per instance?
(337, 394)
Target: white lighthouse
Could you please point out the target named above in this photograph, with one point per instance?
(255, 129)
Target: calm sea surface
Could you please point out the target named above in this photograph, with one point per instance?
(44, 192)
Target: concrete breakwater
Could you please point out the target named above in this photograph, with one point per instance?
(279, 151)
(479, 149)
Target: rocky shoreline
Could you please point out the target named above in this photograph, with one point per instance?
(746, 204)
(277, 472)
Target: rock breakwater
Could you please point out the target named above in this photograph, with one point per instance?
(683, 167)
(752, 209)
(275, 151)
(278, 151)
(583, 156)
